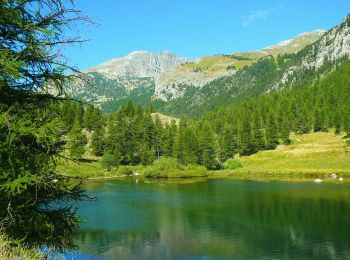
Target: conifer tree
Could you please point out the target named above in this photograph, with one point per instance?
(158, 133)
(258, 141)
(229, 146)
(88, 117)
(98, 141)
(186, 144)
(271, 131)
(31, 68)
(77, 141)
(246, 137)
(319, 120)
(68, 114)
(207, 147)
(168, 140)
(285, 128)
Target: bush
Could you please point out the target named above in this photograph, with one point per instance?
(347, 145)
(167, 167)
(232, 164)
(108, 161)
(124, 170)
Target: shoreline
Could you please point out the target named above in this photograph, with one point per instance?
(244, 176)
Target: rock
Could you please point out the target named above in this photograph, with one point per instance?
(333, 176)
(318, 180)
(341, 179)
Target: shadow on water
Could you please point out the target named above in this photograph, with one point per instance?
(217, 218)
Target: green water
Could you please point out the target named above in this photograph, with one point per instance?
(215, 219)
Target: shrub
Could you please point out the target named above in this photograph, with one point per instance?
(108, 161)
(124, 170)
(232, 164)
(347, 145)
(167, 167)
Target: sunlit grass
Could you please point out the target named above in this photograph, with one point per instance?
(94, 169)
(311, 155)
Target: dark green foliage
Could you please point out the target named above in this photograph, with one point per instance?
(229, 143)
(77, 141)
(108, 161)
(258, 133)
(29, 143)
(319, 106)
(98, 141)
(31, 33)
(247, 145)
(134, 136)
(169, 134)
(271, 131)
(186, 147)
(207, 147)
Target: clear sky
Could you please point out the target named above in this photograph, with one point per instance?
(194, 28)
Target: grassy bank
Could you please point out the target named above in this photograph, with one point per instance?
(8, 251)
(94, 170)
(310, 156)
(167, 167)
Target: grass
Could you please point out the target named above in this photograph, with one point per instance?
(217, 63)
(94, 170)
(314, 155)
(310, 156)
(9, 251)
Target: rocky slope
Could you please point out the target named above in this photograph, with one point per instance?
(181, 86)
(138, 64)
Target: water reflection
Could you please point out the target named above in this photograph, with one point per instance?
(216, 219)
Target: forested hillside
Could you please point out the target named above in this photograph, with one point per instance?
(191, 88)
(131, 136)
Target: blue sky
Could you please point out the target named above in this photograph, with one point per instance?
(194, 28)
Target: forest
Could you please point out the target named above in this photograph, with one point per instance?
(136, 135)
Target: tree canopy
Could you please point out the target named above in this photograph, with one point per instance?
(34, 72)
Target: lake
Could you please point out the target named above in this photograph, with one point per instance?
(214, 219)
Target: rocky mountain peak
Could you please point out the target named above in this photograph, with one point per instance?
(139, 64)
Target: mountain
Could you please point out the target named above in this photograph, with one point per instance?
(180, 86)
(138, 64)
(295, 44)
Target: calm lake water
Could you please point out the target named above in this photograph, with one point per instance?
(215, 219)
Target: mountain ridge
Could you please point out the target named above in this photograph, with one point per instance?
(180, 86)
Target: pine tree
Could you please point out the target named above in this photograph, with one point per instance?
(207, 147)
(98, 141)
(337, 121)
(77, 140)
(186, 144)
(229, 146)
(319, 120)
(271, 131)
(346, 118)
(246, 137)
(79, 112)
(258, 141)
(87, 119)
(285, 128)
(168, 139)
(158, 133)
(68, 114)
(31, 33)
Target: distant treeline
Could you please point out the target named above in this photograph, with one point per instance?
(131, 136)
